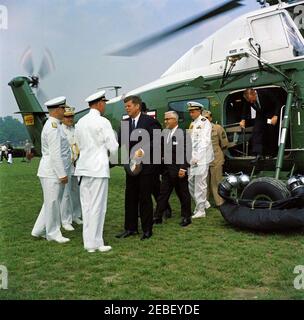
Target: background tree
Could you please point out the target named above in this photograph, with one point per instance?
(12, 130)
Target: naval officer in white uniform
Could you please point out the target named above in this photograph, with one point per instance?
(52, 172)
(95, 139)
(202, 155)
(70, 205)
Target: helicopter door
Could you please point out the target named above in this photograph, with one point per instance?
(180, 106)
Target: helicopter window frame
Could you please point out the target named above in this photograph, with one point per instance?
(182, 104)
(257, 33)
(182, 109)
(294, 36)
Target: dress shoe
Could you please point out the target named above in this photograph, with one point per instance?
(258, 158)
(104, 248)
(146, 235)
(126, 234)
(185, 222)
(78, 221)
(62, 240)
(167, 214)
(38, 235)
(68, 227)
(199, 214)
(157, 221)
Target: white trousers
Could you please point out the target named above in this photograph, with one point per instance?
(197, 182)
(93, 198)
(48, 221)
(10, 158)
(70, 205)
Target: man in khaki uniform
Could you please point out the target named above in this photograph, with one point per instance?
(219, 143)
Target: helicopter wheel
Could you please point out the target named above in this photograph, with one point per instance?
(266, 189)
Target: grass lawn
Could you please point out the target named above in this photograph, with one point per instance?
(207, 260)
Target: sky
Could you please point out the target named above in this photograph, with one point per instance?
(80, 33)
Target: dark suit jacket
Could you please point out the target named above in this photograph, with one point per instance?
(268, 107)
(149, 124)
(179, 139)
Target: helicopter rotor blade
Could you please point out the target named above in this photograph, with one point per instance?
(47, 64)
(41, 96)
(148, 42)
(26, 61)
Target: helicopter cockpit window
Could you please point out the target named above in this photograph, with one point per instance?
(181, 106)
(269, 33)
(294, 39)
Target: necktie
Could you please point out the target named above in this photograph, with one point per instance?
(133, 124)
(169, 136)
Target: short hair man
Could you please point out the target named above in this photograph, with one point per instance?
(138, 201)
(267, 109)
(95, 138)
(52, 173)
(174, 175)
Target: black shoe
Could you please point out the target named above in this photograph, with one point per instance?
(157, 221)
(258, 158)
(167, 214)
(185, 222)
(146, 235)
(126, 234)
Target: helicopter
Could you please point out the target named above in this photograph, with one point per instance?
(263, 49)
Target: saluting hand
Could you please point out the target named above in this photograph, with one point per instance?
(64, 180)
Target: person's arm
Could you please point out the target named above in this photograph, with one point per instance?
(54, 143)
(223, 137)
(109, 137)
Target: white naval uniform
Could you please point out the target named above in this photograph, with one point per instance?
(70, 205)
(202, 156)
(53, 166)
(95, 137)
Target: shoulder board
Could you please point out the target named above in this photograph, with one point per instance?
(54, 125)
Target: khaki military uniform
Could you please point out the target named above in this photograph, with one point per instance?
(219, 143)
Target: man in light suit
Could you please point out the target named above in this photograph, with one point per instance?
(202, 156)
(95, 138)
(52, 172)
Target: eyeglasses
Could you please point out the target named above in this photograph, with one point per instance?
(167, 119)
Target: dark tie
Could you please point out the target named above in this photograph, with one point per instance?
(133, 124)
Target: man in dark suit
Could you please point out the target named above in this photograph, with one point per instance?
(175, 171)
(266, 107)
(138, 200)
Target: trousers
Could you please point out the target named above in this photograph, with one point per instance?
(93, 198)
(48, 221)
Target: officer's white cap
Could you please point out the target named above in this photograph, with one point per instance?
(100, 95)
(193, 105)
(56, 102)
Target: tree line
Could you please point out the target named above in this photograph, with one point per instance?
(11, 129)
